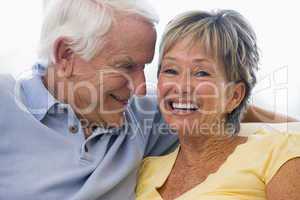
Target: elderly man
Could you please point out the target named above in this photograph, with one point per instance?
(71, 130)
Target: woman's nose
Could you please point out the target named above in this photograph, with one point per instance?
(183, 85)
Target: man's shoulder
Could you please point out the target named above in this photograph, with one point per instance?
(142, 114)
(7, 88)
(7, 83)
(8, 99)
(143, 107)
(10, 94)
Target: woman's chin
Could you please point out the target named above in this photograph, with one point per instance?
(182, 123)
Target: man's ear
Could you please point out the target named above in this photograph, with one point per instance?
(236, 95)
(64, 57)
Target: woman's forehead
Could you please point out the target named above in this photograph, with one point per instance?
(196, 52)
(192, 46)
(188, 49)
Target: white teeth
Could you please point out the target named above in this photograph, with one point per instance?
(186, 106)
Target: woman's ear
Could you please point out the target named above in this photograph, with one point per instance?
(236, 95)
(64, 57)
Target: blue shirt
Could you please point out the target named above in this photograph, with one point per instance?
(44, 154)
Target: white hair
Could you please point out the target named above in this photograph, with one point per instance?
(84, 24)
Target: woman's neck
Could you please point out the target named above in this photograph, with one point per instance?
(196, 149)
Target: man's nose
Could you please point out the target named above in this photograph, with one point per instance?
(139, 83)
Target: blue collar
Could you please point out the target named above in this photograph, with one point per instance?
(38, 99)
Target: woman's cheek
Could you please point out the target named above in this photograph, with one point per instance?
(164, 86)
(208, 96)
(207, 89)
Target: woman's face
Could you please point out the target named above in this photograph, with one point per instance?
(192, 89)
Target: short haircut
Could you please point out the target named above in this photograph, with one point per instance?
(85, 24)
(227, 37)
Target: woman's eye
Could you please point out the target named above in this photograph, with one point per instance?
(201, 74)
(170, 71)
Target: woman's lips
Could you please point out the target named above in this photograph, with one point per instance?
(181, 107)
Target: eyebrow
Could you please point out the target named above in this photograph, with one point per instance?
(122, 59)
(196, 60)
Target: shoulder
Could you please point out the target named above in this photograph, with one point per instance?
(144, 116)
(276, 145)
(7, 84)
(275, 149)
(146, 105)
(285, 184)
(8, 91)
(11, 99)
(11, 90)
(274, 139)
(142, 112)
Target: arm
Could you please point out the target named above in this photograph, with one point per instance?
(256, 114)
(285, 184)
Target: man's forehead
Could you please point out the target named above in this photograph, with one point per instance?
(131, 38)
(131, 29)
(128, 59)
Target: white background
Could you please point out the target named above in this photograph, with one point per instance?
(275, 22)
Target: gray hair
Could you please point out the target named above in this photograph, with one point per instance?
(229, 38)
(85, 24)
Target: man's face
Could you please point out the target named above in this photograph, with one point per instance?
(103, 86)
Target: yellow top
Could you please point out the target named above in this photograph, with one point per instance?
(243, 176)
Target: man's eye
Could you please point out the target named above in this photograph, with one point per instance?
(201, 74)
(128, 66)
(170, 71)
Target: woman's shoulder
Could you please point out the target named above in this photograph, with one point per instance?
(271, 139)
(274, 149)
(273, 143)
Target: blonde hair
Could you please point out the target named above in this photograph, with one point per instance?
(227, 37)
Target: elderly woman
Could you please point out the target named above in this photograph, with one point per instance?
(207, 71)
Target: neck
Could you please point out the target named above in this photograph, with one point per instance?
(196, 149)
